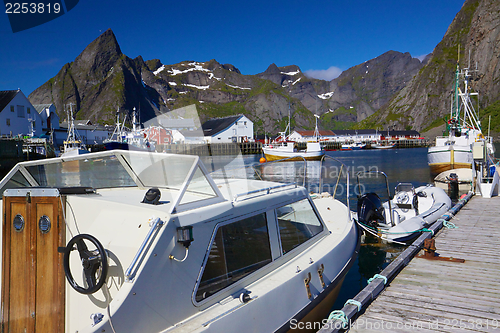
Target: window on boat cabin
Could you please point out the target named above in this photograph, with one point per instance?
(297, 223)
(238, 249)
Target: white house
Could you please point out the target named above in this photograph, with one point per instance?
(50, 119)
(18, 115)
(229, 129)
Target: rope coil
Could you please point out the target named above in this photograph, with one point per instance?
(354, 302)
(339, 315)
(449, 225)
(377, 276)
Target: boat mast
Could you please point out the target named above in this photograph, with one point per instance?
(316, 131)
(289, 123)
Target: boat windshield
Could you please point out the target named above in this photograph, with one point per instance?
(114, 169)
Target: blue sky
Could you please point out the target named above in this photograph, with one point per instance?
(328, 35)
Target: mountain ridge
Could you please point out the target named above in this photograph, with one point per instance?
(102, 80)
(424, 102)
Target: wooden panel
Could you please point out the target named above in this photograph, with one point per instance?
(33, 281)
(19, 292)
(49, 309)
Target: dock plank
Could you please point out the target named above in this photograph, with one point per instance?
(447, 296)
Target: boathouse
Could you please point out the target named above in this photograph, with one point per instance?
(16, 115)
(229, 129)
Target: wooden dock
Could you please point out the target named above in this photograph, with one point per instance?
(444, 296)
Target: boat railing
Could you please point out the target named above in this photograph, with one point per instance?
(266, 190)
(132, 269)
(386, 183)
(263, 191)
(342, 168)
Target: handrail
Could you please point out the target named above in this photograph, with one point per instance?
(130, 272)
(342, 165)
(266, 189)
(387, 184)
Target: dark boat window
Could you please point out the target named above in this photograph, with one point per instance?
(238, 249)
(297, 223)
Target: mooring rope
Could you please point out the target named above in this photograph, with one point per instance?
(377, 276)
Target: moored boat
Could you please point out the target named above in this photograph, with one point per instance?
(405, 215)
(454, 151)
(462, 177)
(383, 146)
(152, 242)
(136, 139)
(73, 145)
(286, 150)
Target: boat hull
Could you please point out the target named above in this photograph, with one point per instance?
(445, 158)
(274, 155)
(124, 146)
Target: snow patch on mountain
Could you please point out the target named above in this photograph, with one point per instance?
(326, 95)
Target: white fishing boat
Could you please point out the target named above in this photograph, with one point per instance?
(278, 151)
(405, 215)
(124, 241)
(454, 151)
(383, 146)
(73, 145)
(137, 139)
(283, 149)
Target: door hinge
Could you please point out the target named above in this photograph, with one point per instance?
(28, 197)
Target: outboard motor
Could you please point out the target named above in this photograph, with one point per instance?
(370, 210)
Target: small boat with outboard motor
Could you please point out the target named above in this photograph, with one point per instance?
(125, 241)
(403, 217)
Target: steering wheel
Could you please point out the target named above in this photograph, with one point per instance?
(94, 263)
(402, 197)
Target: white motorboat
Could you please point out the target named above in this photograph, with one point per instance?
(123, 241)
(455, 150)
(402, 218)
(463, 178)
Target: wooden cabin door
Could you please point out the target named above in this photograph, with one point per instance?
(32, 269)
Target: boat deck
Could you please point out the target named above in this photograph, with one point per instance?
(445, 296)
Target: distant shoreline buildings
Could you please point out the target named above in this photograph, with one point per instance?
(19, 118)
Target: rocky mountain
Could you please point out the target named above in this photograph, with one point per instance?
(361, 90)
(102, 80)
(424, 102)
